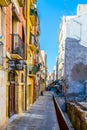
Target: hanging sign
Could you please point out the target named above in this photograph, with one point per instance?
(15, 64)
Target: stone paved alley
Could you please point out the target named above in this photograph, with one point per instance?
(40, 116)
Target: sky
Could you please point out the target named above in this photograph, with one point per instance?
(50, 14)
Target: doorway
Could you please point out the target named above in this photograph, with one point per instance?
(12, 94)
(11, 99)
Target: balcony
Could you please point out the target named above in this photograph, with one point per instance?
(38, 27)
(38, 30)
(21, 2)
(33, 43)
(38, 67)
(33, 16)
(36, 60)
(5, 3)
(37, 48)
(18, 51)
(38, 33)
(32, 69)
(42, 75)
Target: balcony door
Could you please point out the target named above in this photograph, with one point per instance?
(14, 25)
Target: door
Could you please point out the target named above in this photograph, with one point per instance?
(11, 100)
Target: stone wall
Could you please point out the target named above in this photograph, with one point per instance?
(77, 116)
(75, 68)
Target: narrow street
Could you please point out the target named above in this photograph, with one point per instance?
(40, 116)
(43, 65)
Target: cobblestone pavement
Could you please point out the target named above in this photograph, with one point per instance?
(40, 116)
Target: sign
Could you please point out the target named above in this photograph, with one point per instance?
(11, 64)
(15, 64)
(19, 64)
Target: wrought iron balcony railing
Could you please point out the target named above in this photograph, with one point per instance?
(36, 59)
(38, 48)
(38, 27)
(17, 45)
(33, 15)
(32, 69)
(33, 11)
(33, 39)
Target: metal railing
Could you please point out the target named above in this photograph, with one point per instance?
(33, 39)
(17, 45)
(60, 116)
(33, 11)
(32, 69)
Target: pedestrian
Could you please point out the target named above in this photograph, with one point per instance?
(41, 93)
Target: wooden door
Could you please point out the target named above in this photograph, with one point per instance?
(11, 100)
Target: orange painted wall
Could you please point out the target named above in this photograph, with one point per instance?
(8, 28)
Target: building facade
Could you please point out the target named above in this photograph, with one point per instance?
(33, 31)
(54, 73)
(72, 52)
(43, 70)
(15, 58)
(50, 78)
(19, 52)
(57, 68)
(2, 64)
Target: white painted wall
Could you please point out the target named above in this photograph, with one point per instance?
(81, 9)
(73, 36)
(77, 28)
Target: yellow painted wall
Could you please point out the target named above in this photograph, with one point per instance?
(30, 80)
(28, 55)
(19, 87)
